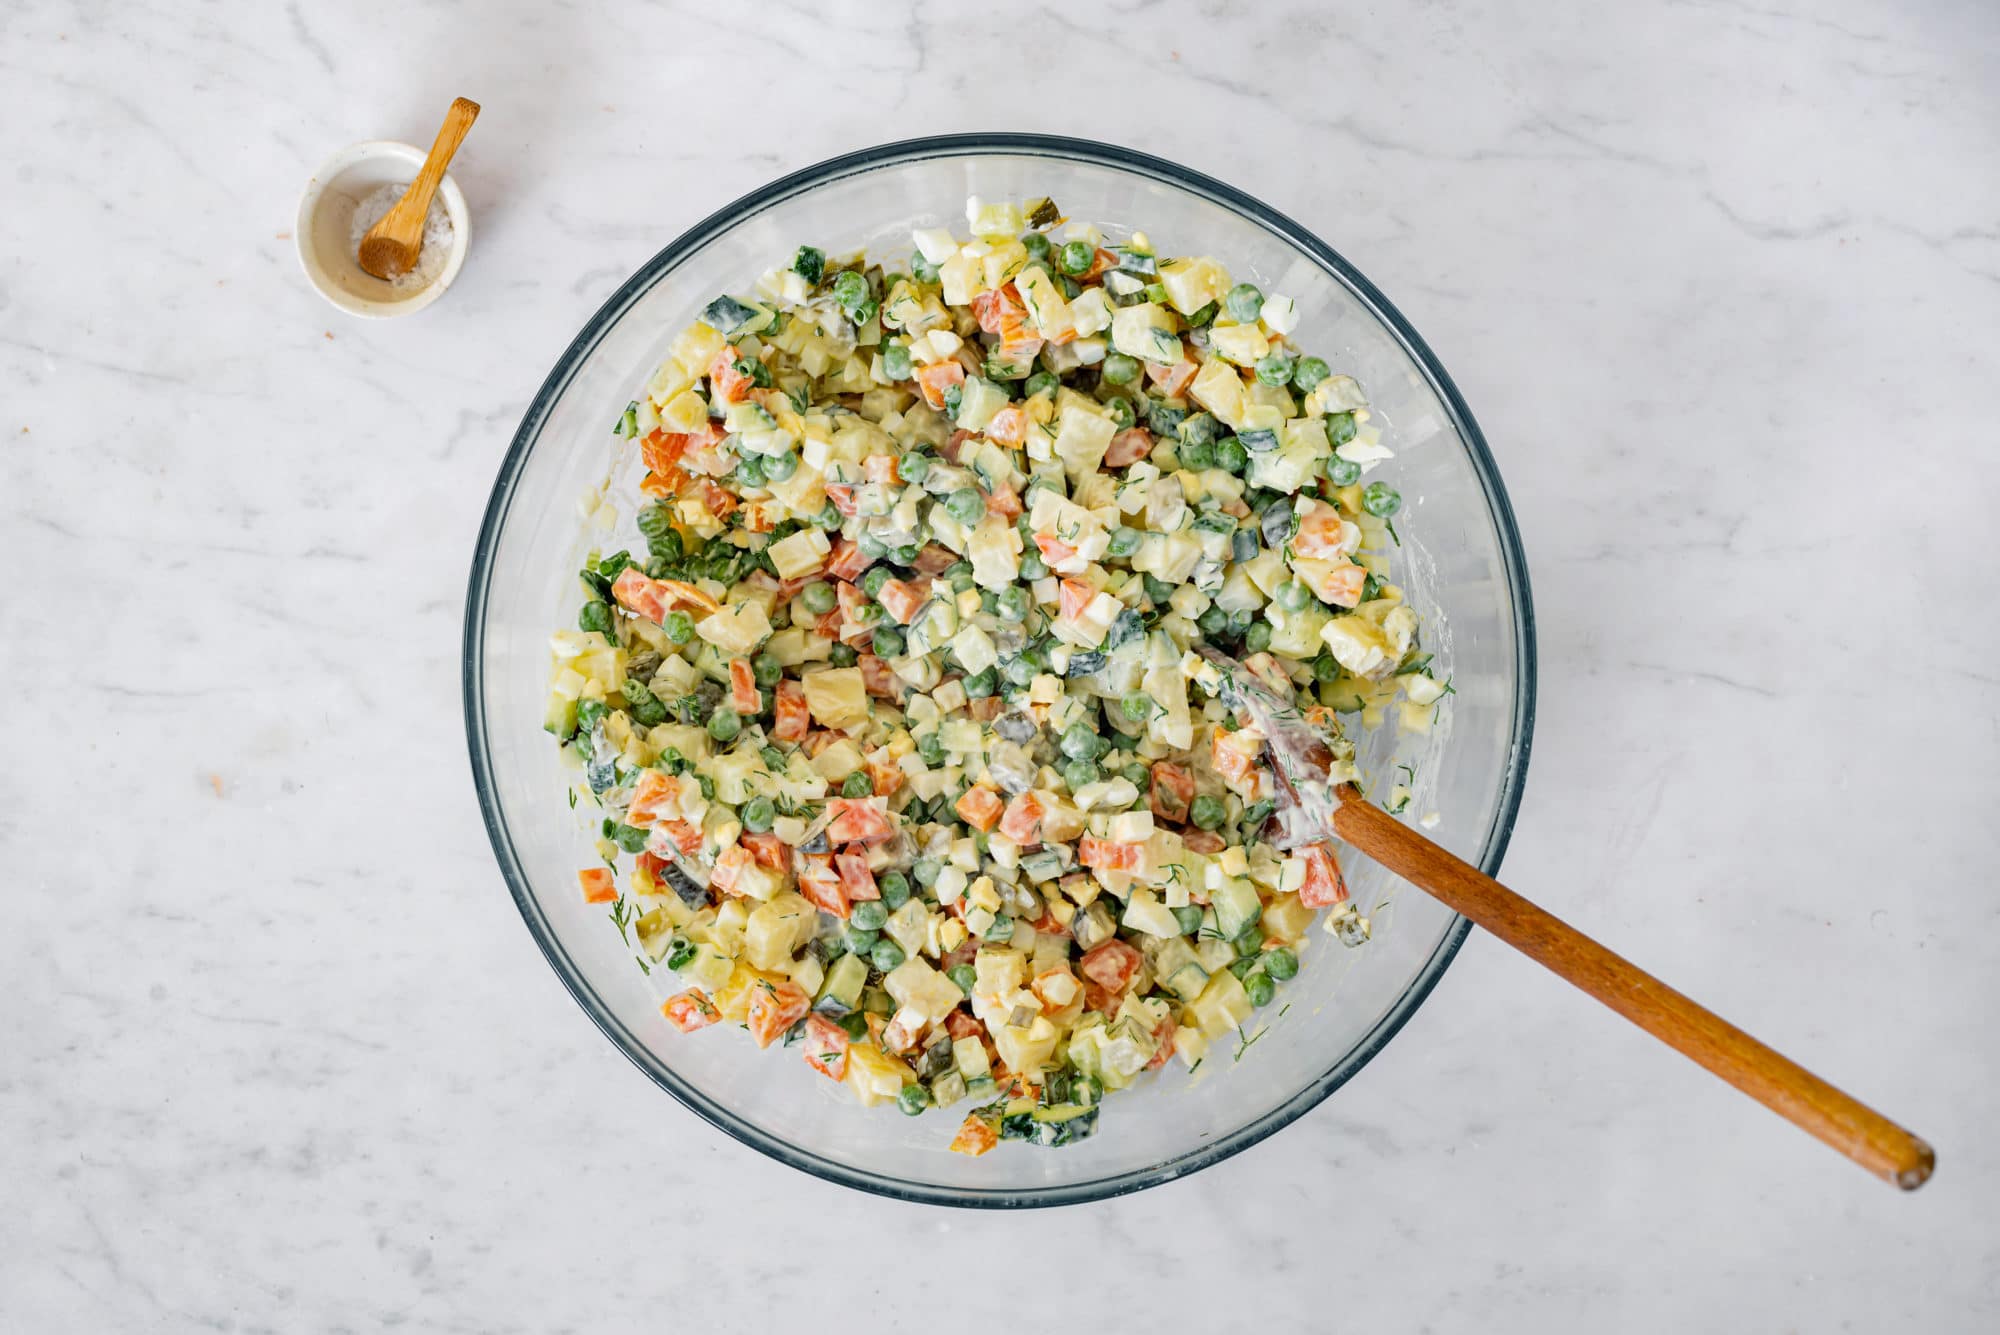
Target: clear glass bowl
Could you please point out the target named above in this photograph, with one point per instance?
(1460, 560)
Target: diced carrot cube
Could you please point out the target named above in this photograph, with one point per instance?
(825, 1047)
(743, 696)
(1172, 791)
(975, 1137)
(1108, 855)
(1111, 965)
(1005, 502)
(842, 496)
(685, 834)
(794, 717)
(1324, 886)
(729, 868)
(729, 384)
(880, 468)
(858, 820)
(855, 877)
(934, 380)
(820, 883)
(690, 1010)
(774, 1008)
(1128, 447)
(847, 561)
(767, 850)
(1009, 427)
(1023, 819)
(903, 600)
(1054, 550)
(655, 794)
(1072, 598)
(599, 885)
(876, 678)
(980, 807)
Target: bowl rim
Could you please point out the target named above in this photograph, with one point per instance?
(314, 195)
(987, 144)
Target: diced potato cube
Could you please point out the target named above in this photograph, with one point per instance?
(836, 697)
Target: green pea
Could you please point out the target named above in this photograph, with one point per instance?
(931, 747)
(911, 1100)
(595, 616)
(1281, 964)
(779, 467)
(1157, 590)
(965, 505)
(1206, 812)
(750, 471)
(926, 870)
(1340, 428)
(1036, 244)
(1244, 303)
(1381, 500)
(850, 288)
(1260, 988)
(857, 784)
(1213, 622)
(1032, 565)
(913, 467)
(829, 517)
(1118, 369)
(896, 362)
(1326, 669)
(1075, 257)
(1077, 773)
(888, 643)
(1258, 638)
(869, 915)
(1231, 456)
(1293, 595)
(724, 724)
(1138, 776)
(1041, 382)
(1014, 603)
(1275, 369)
(679, 627)
(843, 655)
(1080, 743)
(885, 955)
(964, 975)
(859, 940)
(922, 269)
(589, 713)
(1188, 919)
(1122, 412)
(1342, 472)
(895, 888)
(872, 582)
(1001, 930)
(871, 546)
(1310, 374)
(769, 671)
(981, 683)
(1124, 541)
(1019, 672)
(757, 814)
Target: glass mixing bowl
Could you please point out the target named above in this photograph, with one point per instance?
(1460, 560)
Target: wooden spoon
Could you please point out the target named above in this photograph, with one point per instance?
(1313, 809)
(393, 244)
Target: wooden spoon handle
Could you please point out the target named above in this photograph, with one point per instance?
(407, 217)
(1791, 1091)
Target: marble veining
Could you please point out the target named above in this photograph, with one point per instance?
(1721, 279)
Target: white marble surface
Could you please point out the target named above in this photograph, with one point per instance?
(1722, 283)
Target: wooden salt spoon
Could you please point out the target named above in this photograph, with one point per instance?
(1312, 810)
(393, 244)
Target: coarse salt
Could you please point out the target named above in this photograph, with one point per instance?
(435, 247)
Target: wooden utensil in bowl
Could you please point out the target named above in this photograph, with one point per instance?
(392, 245)
(1312, 809)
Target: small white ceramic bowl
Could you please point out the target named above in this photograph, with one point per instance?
(326, 222)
